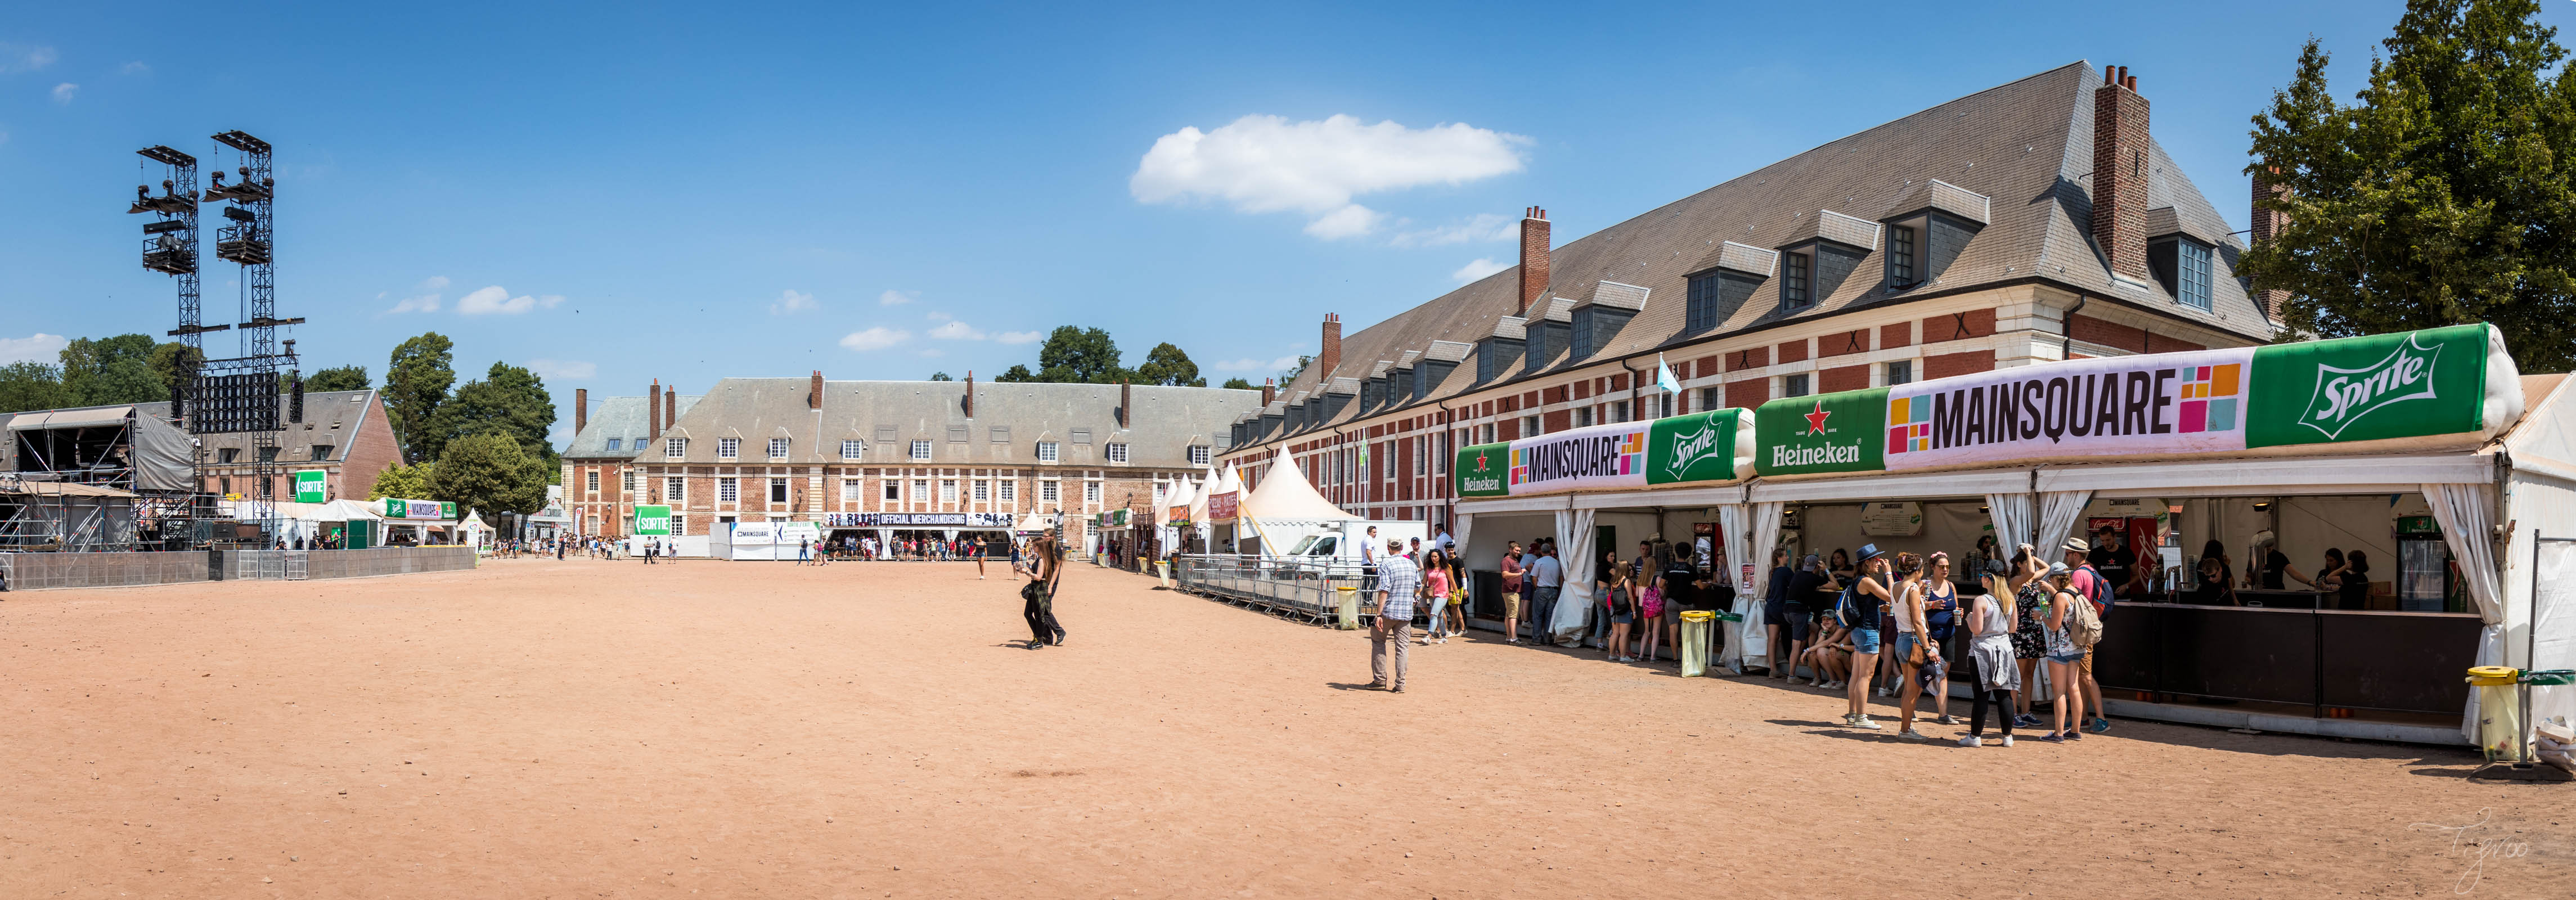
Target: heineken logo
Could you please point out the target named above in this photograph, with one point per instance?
(1783, 456)
(2344, 396)
(1689, 449)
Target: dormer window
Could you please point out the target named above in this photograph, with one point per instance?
(1924, 241)
(2182, 265)
(613, 443)
(1794, 278)
(1900, 254)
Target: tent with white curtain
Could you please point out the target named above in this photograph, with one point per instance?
(1285, 509)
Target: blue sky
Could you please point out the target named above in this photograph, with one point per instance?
(619, 193)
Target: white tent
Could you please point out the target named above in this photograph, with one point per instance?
(1286, 508)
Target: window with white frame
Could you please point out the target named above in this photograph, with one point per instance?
(1199, 454)
(679, 524)
(947, 490)
(983, 490)
(1485, 433)
(614, 443)
(1091, 492)
(893, 490)
(626, 480)
(675, 447)
(920, 489)
(1046, 451)
(1582, 416)
(1421, 460)
(778, 490)
(1794, 385)
(1117, 453)
(1010, 491)
(591, 480)
(728, 490)
(675, 490)
(728, 448)
(1047, 490)
(851, 490)
(921, 450)
(1530, 426)
(851, 448)
(777, 448)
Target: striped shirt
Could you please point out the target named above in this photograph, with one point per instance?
(1401, 580)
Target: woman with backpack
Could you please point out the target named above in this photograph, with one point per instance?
(1858, 611)
(1620, 603)
(2065, 658)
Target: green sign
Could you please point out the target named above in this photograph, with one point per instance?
(1480, 470)
(1839, 432)
(2411, 384)
(1712, 446)
(310, 488)
(653, 521)
(1697, 447)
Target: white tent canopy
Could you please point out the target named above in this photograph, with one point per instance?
(1284, 494)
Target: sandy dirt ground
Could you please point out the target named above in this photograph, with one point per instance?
(595, 729)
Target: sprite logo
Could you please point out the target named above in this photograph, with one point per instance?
(2343, 396)
(1691, 448)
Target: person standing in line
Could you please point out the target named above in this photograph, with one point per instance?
(2064, 658)
(1046, 570)
(1873, 590)
(1992, 677)
(1775, 618)
(1435, 585)
(1940, 621)
(2089, 583)
(1914, 647)
(1618, 606)
(1368, 561)
(1398, 582)
(1650, 605)
(1549, 574)
(1512, 592)
(2029, 583)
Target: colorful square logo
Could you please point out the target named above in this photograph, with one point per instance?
(1909, 424)
(2210, 397)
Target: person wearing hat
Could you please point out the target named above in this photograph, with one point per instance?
(2065, 675)
(2089, 583)
(1873, 592)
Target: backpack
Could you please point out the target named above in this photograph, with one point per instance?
(2095, 588)
(1845, 612)
(2084, 628)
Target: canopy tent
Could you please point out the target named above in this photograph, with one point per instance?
(160, 455)
(1285, 495)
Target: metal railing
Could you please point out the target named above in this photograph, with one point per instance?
(1309, 590)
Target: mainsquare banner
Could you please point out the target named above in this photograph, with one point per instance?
(2428, 388)
(1713, 446)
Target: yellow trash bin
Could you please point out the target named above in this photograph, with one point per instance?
(1163, 570)
(1694, 643)
(2500, 733)
(1350, 607)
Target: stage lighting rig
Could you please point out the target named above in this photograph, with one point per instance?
(170, 240)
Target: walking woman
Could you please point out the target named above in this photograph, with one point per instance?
(1435, 582)
(1458, 594)
(2030, 638)
(1992, 677)
(2065, 660)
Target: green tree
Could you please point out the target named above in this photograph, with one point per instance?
(416, 382)
(489, 473)
(402, 482)
(507, 400)
(338, 378)
(31, 385)
(1290, 374)
(112, 370)
(940, 376)
(1016, 373)
(1239, 384)
(1167, 365)
(1080, 355)
(2445, 194)
(175, 364)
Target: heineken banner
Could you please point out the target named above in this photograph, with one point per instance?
(309, 486)
(653, 521)
(1711, 446)
(2444, 385)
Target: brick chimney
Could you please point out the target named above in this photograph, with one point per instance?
(670, 407)
(2267, 223)
(814, 391)
(970, 393)
(1126, 405)
(580, 410)
(2120, 173)
(653, 411)
(1269, 391)
(1328, 358)
(1533, 257)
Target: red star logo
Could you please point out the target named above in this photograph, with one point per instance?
(1816, 420)
(1480, 462)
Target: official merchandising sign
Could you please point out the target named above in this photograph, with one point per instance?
(2419, 384)
(310, 486)
(918, 520)
(1713, 446)
(1222, 507)
(418, 509)
(653, 521)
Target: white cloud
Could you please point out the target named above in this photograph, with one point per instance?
(792, 301)
(1484, 227)
(1268, 164)
(1018, 337)
(897, 298)
(63, 92)
(1248, 364)
(956, 331)
(494, 299)
(1478, 268)
(425, 297)
(137, 67)
(432, 283)
(563, 369)
(875, 338)
(38, 347)
(25, 57)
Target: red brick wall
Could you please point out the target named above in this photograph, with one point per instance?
(1707, 367)
(1560, 420)
(1949, 364)
(1853, 341)
(2120, 178)
(1508, 429)
(1554, 395)
(1749, 393)
(1973, 323)
(2111, 334)
(371, 451)
(1900, 334)
(1793, 351)
(1844, 378)
(1751, 358)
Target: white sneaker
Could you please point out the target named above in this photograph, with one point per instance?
(2007, 740)
(1862, 721)
(1912, 735)
(1972, 741)
(1883, 692)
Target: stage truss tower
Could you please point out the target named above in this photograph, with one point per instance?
(239, 395)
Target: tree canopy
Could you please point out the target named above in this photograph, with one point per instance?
(1079, 355)
(1167, 365)
(416, 382)
(1015, 373)
(940, 376)
(175, 364)
(1240, 384)
(2445, 194)
(338, 378)
(31, 385)
(507, 400)
(112, 370)
(490, 473)
(402, 482)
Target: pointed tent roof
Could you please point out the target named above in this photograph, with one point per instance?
(1285, 494)
(1199, 497)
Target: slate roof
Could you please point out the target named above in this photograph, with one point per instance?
(623, 418)
(2026, 145)
(886, 416)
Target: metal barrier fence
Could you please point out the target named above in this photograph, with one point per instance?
(1303, 589)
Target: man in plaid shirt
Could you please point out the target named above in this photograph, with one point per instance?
(1398, 581)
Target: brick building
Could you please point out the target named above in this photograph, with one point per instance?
(599, 471)
(2029, 222)
(807, 449)
(344, 433)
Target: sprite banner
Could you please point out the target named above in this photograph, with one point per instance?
(2421, 389)
(653, 521)
(309, 486)
(1714, 446)
(418, 509)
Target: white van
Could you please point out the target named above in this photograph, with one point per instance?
(1341, 539)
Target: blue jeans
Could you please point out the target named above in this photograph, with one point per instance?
(1545, 613)
(1864, 640)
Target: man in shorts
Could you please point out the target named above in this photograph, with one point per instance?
(1512, 593)
(1046, 569)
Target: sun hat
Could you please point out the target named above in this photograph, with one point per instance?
(2077, 544)
(2058, 568)
(1868, 552)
